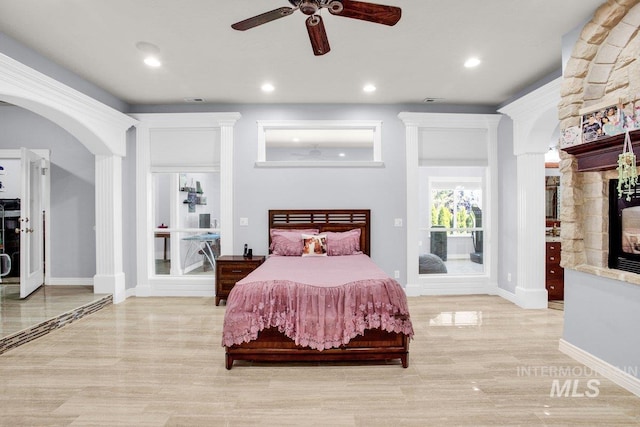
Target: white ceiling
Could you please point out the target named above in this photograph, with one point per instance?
(519, 42)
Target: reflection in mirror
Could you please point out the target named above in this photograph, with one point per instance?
(341, 143)
(552, 187)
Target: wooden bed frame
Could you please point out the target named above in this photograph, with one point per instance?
(273, 346)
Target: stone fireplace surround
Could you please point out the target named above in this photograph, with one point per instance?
(604, 66)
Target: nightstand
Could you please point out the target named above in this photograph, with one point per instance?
(232, 268)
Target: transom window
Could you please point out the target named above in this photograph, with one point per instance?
(306, 143)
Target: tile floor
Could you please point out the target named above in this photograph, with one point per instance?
(474, 361)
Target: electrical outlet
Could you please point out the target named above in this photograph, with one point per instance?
(244, 221)
(508, 277)
(396, 274)
(397, 222)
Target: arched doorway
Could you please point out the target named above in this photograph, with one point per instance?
(103, 131)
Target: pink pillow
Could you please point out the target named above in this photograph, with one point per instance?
(314, 245)
(288, 242)
(345, 243)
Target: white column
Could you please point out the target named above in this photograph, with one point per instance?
(109, 278)
(412, 221)
(226, 186)
(535, 117)
(530, 289)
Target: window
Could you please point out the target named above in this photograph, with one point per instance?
(186, 233)
(298, 143)
(175, 152)
(451, 230)
(458, 149)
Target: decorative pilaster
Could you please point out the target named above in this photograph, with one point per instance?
(109, 278)
(226, 186)
(530, 290)
(535, 117)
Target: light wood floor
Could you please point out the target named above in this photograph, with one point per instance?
(45, 303)
(158, 361)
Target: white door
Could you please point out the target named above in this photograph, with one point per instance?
(34, 181)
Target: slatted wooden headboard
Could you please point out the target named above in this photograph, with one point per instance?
(325, 220)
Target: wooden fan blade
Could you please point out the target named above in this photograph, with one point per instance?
(263, 18)
(317, 35)
(377, 13)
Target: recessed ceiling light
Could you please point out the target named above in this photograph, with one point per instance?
(152, 61)
(151, 54)
(369, 88)
(268, 87)
(472, 62)
(342, 155)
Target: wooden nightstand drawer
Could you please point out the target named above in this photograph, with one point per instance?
(231, 269)
(236, 270)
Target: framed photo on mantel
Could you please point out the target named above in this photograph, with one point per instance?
(602, 122)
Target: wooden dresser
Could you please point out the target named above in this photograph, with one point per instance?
(232, 268)
(554, 273)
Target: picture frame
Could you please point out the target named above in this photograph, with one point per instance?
(602, 122)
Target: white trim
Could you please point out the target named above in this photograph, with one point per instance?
(319, 164)
(100, 128)
(454, 285)
(71, 281)
(97, 126)
(535, 118)
(374, 125)
(459, 284)
(46, 203)
(149, 284)
(612, 373)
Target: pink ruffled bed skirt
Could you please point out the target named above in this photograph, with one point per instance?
(319, 317)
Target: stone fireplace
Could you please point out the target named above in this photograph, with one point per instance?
(604, 67)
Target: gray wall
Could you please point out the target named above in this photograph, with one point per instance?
(256, 190)
(602, 317)
(72, 215)
(383, 190)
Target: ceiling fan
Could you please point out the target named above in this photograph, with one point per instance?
(376, 13)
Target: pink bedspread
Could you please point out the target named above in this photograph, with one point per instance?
(318, 302)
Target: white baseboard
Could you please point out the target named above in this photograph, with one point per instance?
(450, 288)
(509, 296)
(70, 281)
(612, 373)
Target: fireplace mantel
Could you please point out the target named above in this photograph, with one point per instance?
(602, 154)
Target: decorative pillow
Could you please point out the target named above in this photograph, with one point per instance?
(288, 242)
(345, 243)
(314, 245)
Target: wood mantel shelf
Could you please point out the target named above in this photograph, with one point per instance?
(602, 154)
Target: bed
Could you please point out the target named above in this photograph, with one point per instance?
(332, 306)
